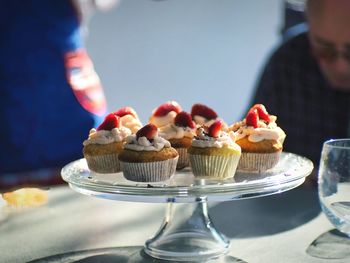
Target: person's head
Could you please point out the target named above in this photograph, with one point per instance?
(329, 32)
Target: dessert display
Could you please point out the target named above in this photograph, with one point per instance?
(180, 134)
(260, 138)
(104, 144)
(214, 153)
(175, 139)
(147, 157)
(204, 115)
(214, 156)
(129, 118)
(165, 113)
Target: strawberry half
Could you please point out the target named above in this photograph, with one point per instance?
(167, 107)
(262, 112)
(214, 130)
(126, 111)
(149, 131)
(110, 122)
(204, 111)
(252, 118)
(184, 119)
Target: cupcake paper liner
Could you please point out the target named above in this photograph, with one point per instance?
(103, 163)
(149, 172)
(183, 158)
(217, 167)
(258, 162)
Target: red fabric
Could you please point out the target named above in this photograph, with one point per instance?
(85, 82)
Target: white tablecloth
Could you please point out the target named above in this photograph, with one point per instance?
(278, 228)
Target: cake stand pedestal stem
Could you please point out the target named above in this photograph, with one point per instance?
(187, 234)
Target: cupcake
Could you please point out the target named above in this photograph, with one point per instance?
(260, 138)
(204, 115)
(129, 119)
(146, 157)
(213, 153)
(104, 144)
(165, 113)
(180, 135)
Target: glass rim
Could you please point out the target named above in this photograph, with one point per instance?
(332, 143)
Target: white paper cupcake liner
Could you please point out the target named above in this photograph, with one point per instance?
(183, 158)
(149, 172)
(103, 163)
(258, 162)
(217, 167)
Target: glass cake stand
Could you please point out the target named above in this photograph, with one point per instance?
(187, 233)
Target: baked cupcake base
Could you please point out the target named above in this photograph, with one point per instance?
(183, 158)
(149, 171)
(258, 162)
(103, 158)
(214, 166)
(108, 163)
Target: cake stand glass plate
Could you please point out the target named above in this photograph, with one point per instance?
(187, 233)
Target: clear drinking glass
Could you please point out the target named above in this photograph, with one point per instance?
(334, 183)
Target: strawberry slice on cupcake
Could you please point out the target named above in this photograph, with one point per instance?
(204, 115)
(110, 122)
(126, 111)
(252, 118)
(184, 119)
(148, 131)
(214, 130)
(202, 110)
(165, 113)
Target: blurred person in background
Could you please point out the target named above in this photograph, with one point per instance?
(306, 81)
(50, 94)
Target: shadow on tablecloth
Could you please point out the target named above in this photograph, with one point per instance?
(330, 245)
(120, 255)
(266, 215)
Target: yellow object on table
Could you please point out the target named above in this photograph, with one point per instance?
(26, 197)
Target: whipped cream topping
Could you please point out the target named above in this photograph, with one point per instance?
(200, 120)
(264, 131)
(202, 140)
(172, 131)
(143, 144)
(106, 137)
(131, 122)
(160, 121)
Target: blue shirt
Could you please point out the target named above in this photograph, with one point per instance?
(43, 120)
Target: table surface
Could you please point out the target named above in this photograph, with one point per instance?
(285, 227)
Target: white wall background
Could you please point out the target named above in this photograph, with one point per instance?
(209, 51)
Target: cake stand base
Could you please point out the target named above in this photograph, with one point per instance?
(187, 234)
